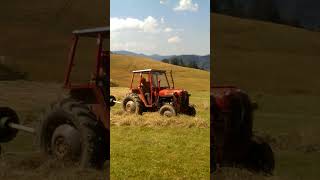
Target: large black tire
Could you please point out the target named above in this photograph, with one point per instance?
(7, 115)
(93, 138)
(132, 104)
(167, 110)
(192, 111)
(261, 157)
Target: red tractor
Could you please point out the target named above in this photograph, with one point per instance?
(76, 127)
(232, 140)
(152, 92)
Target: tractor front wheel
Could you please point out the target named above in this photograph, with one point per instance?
(191, 111)
(167, 110)
(132, 104)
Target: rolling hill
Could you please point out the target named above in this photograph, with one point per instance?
(203, 62)
(187, 78)
(264, 57)
(299, 13)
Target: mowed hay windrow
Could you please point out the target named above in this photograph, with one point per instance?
(154, 119)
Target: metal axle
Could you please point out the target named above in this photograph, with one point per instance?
(119, 102)
(22, 128)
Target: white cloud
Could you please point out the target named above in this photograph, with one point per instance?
(187, 5)
(163, 1)
(149, 24)
(132, 46)
(168, 29)
(162, 20)
(174, 39)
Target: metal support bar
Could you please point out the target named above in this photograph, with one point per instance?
(22, 128)
(119, 102)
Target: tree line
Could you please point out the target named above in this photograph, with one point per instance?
(179, 62)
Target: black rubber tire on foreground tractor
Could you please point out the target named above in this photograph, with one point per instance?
(69, 130)
(167, 110)
(7, 115)
(132, 104)
(261, 157)
(112, 100)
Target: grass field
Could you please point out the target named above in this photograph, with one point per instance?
(150, 146)
(278, 66)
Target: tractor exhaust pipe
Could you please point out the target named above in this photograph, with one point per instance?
(172, 79)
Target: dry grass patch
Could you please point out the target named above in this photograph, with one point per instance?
(121, 118)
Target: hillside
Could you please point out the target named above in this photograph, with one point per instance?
(190, 79)
(203, 62)
(299, 13)
(36, 35)
(264, 57)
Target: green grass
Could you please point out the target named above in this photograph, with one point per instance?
(153, 147)
(159, 153)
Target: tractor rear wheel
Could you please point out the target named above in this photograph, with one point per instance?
(132, 104)
(261, 157)
(167, 110)
(69, 130)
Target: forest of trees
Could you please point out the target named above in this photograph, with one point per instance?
(179, 62)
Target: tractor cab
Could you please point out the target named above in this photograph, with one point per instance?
(93, 88)
(148, 83)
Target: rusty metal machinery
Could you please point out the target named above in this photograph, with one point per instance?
(232, 140)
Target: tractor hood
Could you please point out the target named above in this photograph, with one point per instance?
(170, 92)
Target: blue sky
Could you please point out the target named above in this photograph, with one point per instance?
(165, 27)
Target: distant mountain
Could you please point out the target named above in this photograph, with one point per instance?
(154, 56)
(203, 62)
